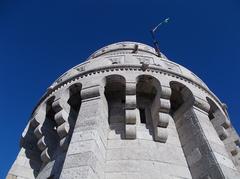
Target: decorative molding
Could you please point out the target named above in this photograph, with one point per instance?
(120, 59)
(117, 68)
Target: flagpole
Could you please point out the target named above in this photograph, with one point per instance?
(155, 42)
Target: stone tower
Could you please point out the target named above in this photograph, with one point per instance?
(126, 113)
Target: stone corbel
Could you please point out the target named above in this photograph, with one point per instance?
(62, 109)
(130, 111)
(161, 133)
(45, 157)
(36, 122)
(90, 93)
(234, 149)
(39, 116)
(201, 104)
(46, 142)
(222, 132)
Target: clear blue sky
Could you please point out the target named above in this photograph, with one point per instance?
(40, 40)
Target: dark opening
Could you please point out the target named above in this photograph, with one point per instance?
(51, 177)
(210, 115)
(50, 112)
(176, 98)
(237, 142)
(115, 96)
(213, 109)
(75, 98)
(142, 115)
(50, 125)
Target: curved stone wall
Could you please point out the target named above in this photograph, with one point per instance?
(127, 113)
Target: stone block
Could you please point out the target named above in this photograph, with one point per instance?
(130, 102)
(131, 116)
(164, 119)
(82, 172)
(130, 131)
(161, 134)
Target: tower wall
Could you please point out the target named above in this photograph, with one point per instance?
(134, 116)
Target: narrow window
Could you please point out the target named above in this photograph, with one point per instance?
(142, 115)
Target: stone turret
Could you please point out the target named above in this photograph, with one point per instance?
(126, 113)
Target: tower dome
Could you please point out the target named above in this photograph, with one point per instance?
(127, 112)
(129, 53)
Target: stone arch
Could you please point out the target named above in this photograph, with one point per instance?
(74, 101)
(66, 109)
(66, 113)
(40, 137)
(148, 91)
(115, 94)
(75, 96)
(63, 111)
(49, 139)
(190, 115)
(50, 130)
(181, 99)
(225, 131)
(218, 119)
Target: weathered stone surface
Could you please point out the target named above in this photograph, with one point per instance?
(127, 113)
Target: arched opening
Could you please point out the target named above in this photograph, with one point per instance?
(75, 97)
(115, 93)
(225, 131)
(192, 128)
(74, 101)
(181, 99)
(218, 119)
(147, 93)
(73, 93)
(41, 135)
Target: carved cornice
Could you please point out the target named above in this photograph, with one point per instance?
(122, 67)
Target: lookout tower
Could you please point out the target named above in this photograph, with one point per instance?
(128, 113)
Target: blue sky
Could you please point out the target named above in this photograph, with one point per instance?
(40, 40)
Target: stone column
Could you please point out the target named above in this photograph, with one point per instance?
(86, 153)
